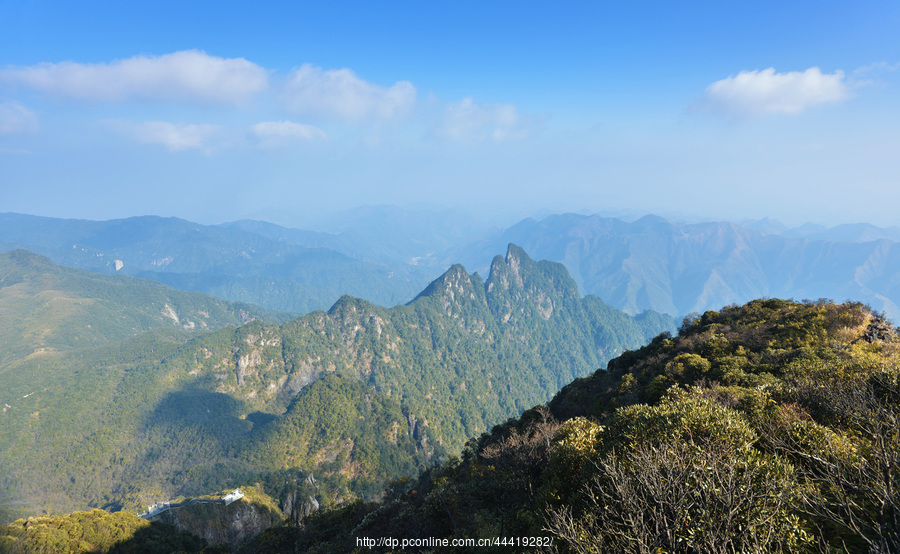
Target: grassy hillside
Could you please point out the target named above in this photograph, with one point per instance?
(72, 339)
(761, 428)
(95, 531)
(47, 308)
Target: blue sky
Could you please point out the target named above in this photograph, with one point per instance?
(215, 111)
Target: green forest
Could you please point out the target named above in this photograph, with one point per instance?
(768, 427)
(771, 426)
(348, 399)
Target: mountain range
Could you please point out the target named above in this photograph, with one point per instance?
(121, 391)
(387, 255)
(220, 260)
(767, 427)
(678, 268)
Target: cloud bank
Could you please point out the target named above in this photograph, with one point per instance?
(340, 94)
(760, 93)
(190, 75)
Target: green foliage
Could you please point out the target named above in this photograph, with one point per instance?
(680, 416)
(576, 446)
(354, 397)
(674, 496)
(95, 531)
(767, 427)
(349, 435)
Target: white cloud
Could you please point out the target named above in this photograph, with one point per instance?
(339, 93)
(469, 121)
(16, 119)
(765, 92)
(287, 130)
(174, 136)
(187, 75)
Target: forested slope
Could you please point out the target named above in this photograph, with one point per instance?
(766, 427)
(347, 399)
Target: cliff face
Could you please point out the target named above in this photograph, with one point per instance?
(220, 524)
(298, 505)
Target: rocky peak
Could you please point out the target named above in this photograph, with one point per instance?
(517, 283)
(515, 257)
(354, 317)
(455, 289)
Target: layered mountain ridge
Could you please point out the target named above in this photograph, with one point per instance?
(387, 255)
(355, 395)
(48, 308)
(298, 273)
(678, 268)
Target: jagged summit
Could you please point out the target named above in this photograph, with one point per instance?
(456, 278)
(517, 282)
(512, 268)
(514, 282)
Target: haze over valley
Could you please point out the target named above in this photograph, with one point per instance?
(388, 254)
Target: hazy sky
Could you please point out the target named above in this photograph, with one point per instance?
(214, 111)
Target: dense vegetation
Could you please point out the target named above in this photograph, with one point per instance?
(766, 427)
(72, 342)
(201, 523)
(333, 404)
(95, 531)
